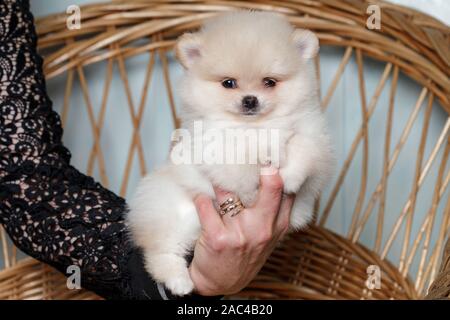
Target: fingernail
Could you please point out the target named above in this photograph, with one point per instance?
(268, 170)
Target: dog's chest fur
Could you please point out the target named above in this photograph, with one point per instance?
(243, 178)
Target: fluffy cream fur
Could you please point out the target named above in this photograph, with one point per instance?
(249, 47)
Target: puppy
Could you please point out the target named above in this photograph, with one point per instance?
(243, 70)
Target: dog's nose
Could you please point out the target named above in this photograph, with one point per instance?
(250, 102)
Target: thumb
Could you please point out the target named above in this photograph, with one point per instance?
(270, 191)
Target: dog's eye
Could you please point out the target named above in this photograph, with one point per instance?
(269, 82)
(229, 83)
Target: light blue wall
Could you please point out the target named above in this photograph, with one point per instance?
(344, 115)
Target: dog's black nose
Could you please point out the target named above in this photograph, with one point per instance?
(249, 102)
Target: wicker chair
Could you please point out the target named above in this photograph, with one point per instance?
(316, 263)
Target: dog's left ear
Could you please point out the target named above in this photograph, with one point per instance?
(187, 49)
(306, 42)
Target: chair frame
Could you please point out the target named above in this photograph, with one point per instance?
(316, 263)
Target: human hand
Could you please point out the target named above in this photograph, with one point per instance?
(232, 250)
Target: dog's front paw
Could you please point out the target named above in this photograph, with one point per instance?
(180, 285)
(171, 270)
(292, 179)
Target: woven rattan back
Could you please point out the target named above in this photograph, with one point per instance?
(324, 263)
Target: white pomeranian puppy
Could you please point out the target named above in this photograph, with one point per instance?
(243, 70)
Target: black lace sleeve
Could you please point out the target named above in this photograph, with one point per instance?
(51, 211)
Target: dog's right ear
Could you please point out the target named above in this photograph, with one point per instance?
(187, 49)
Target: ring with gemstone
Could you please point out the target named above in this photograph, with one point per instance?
(232, 206)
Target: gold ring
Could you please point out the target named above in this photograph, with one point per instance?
(231, 205)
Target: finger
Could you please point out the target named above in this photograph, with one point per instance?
(269, 194)
(221, 197)
(284, 215)
(209, 217)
